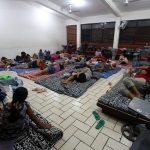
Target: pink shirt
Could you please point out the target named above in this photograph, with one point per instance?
(57, 67)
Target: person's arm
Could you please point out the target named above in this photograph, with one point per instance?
(71, 78)
(37, 121)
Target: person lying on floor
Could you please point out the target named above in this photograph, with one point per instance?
(15, 119)
(81, 77)
(123, 60)
(51, 69)
(101, 67)
(133, 85)
(7, 62)
(38, 63)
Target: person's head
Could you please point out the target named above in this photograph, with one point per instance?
(61, 66)
(3, 59)
(19, 97)
(40, 51)
(80, 78)
(113, 64)
(23, 54)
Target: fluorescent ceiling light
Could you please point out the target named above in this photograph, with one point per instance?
(78, 3)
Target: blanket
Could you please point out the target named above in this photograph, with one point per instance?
(38, 139)
(74, 89)
(18, 70)
(109, 73)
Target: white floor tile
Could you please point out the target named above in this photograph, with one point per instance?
(70, 144)
(82, 146)
(81, 126)
(84, 137)
(116, 145)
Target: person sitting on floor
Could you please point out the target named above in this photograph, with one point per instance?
(35, 56)
(123, 60)
(81, 77)
(51, 69)
(7, 62)
(34, 64)
(41, 54)
(133, 85)
(15, 119)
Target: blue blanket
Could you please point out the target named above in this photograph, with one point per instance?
(109, 73)
(19, 70)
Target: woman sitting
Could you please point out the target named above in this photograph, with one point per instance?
(15, 119)
(81, 77)
(39, 63)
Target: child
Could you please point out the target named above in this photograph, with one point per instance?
(41, 54)
(14, 119)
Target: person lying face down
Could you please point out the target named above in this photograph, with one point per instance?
(51, 69)
(81, 77)
(39, 63)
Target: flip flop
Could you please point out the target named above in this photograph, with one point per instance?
(100, 124)
(41, 90)
(96, 115)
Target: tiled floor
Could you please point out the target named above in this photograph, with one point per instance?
(74, 117)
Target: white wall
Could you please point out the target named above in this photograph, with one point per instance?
(25, 27)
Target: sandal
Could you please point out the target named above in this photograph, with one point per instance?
(96, 115)
(100, 124)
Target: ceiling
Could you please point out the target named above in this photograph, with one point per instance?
(133, 6)
(91, 7)
(100, 7)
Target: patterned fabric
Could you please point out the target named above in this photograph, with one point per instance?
(114, 98)
(74, 89)
(12, 130)
(38, 139)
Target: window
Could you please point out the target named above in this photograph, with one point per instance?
(98, 33)
(136, 32)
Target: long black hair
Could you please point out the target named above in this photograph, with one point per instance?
(19, 96)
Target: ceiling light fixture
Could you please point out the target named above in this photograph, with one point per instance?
(78, 3)
(126, 1)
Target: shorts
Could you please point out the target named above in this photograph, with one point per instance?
(51, 69)
(32, 64)
(129, 83)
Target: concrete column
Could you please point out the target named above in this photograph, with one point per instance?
(78, 34)
(116, 33)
